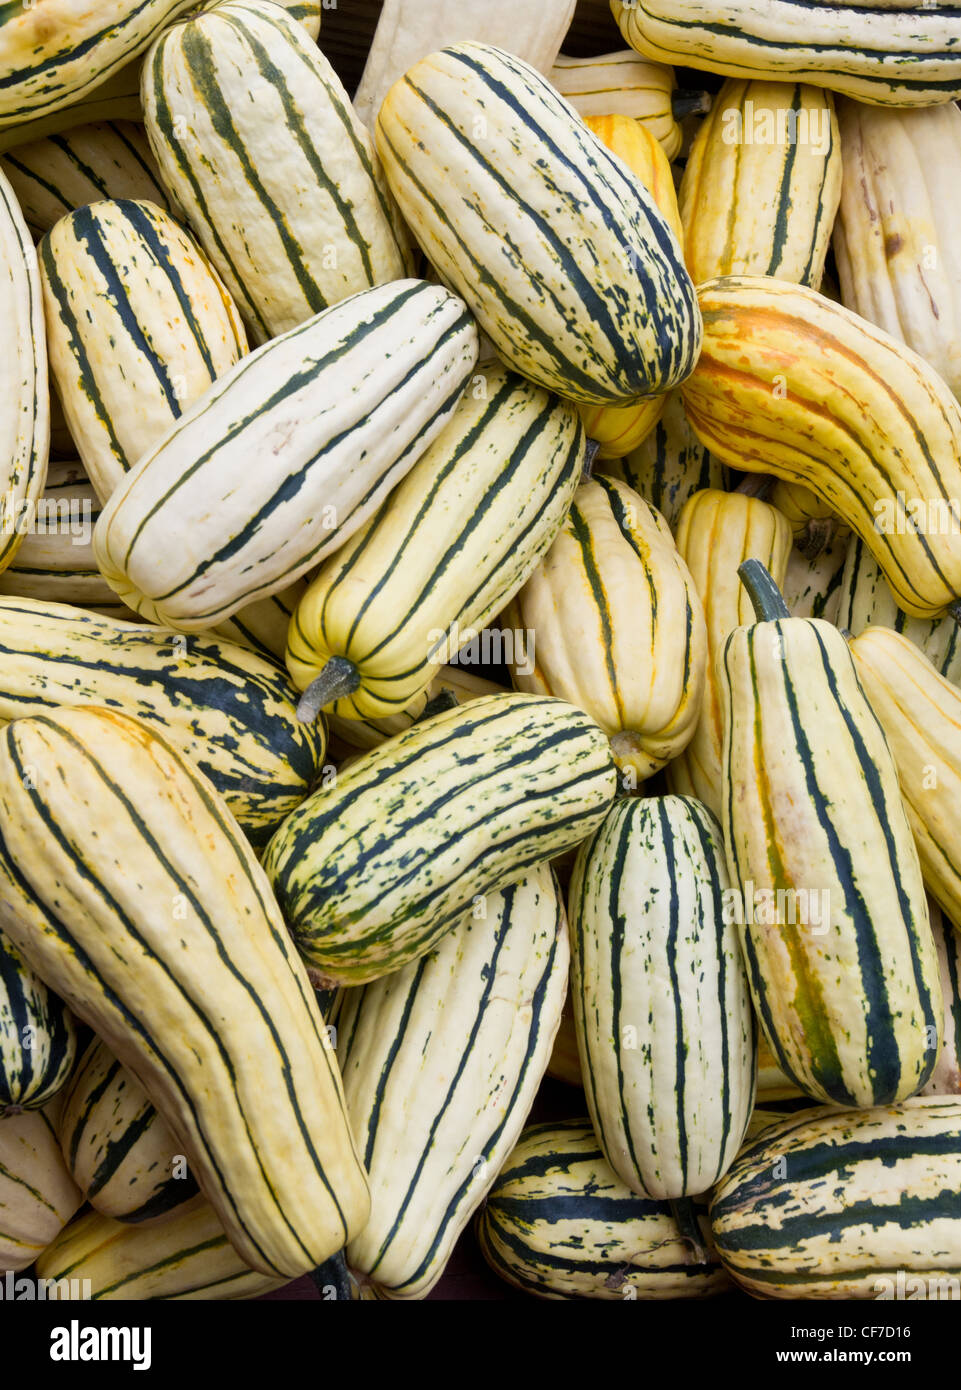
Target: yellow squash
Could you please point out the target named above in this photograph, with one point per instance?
(792, 384)
(716, 532)
(614, 624)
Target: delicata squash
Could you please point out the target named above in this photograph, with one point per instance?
(791, 383)
(163, 936)
(840, 952)
(611, 621)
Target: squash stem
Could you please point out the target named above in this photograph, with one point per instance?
(687, 102)
(763, 592)
(590, 454)
(685, 1218)
(332, 1275)
(444, 700)
(337, 680)
(755, 485)
(954, 611)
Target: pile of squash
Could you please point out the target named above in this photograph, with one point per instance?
(480, 583)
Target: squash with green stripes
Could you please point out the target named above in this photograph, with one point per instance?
(371, 872)
(665, 1024)
(715, 533)
(485, 1003)
(847, 1204)
(163, 936)
(183, 1256)
(55, 562)
(762, 183)
(617, 429)
(563, 256)
(812, 587)
(455, 681)
(57, 53)
(560, 1224)
(866, 599)
(37, 1194)
(256, 138)
(227, 709)
(24, 391)
(478, 510)
(38, 1038)
(887, 52)
(946, 1077)
(669, 465)
(624, 84)
(837, 938)
(120, 1152)
(139, 326)
(107, 159)
(920, 713)
(612, 622)
(334, 413)
(792, 384)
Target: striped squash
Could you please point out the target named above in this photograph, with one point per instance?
(335, 412)
(895, 237)
(812, 588)
(118, 97)
(857, 417)
(866, 599)
(55, 561)
(598, 305)
(920, 713)
(946, 1077)
(560, 1224)
(842, 964)
(163, 936)
(665, 1025)
(119, 1151)
(372, 871)
(715, 533)
(138, 327)
(889, 52)
(838, 1204)
(227, 709)
(183, 1256)
(669, 465)
(370, 733)
(616, 627)
(24, 393)
(57, 53)
(478, 510)
(441, 1062)
(618, 429)
(256, 138)
(262, 626)
(37, 1194)
(624, 84)
(762, 183)
(38, 1038)
(107, 159)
